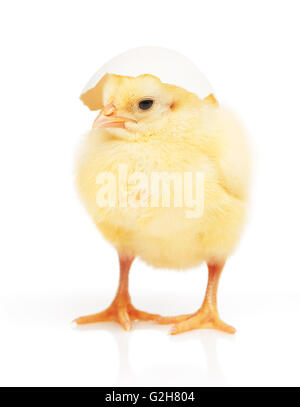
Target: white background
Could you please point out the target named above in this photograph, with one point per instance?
(55, 266)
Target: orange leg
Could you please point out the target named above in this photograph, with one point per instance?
(207, 316)
(121, 310)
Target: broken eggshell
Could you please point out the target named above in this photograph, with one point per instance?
(167, 65)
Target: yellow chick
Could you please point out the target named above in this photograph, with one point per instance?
(146, 128)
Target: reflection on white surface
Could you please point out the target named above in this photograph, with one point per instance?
(40, 347)
(166, 360)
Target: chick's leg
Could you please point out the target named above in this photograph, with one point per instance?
(121, 310)
(207, 316)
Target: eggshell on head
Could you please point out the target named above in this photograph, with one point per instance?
(167, 65)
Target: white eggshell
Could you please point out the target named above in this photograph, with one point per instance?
(167, 65)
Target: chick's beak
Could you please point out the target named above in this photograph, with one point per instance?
(108, 118)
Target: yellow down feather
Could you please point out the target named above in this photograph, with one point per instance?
(180, 133)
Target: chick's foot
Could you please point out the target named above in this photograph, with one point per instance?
(207, 316)
(123, 313)
(121, 310)
(203, 319)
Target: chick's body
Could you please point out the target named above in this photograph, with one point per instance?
(183, 134)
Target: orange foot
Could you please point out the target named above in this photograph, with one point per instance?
(204, 318)
(123, 313)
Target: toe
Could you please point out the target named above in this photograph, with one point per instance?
(173, 320)
(124, 319)
(93, 318)
(143, 316)
(184, 326)
(221, 326)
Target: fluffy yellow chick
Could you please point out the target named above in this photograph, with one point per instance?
(151, 127)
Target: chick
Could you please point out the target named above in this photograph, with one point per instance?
(153, 127)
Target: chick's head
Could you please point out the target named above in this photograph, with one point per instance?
(139, 108)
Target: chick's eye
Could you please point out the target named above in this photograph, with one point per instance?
(145, 104)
